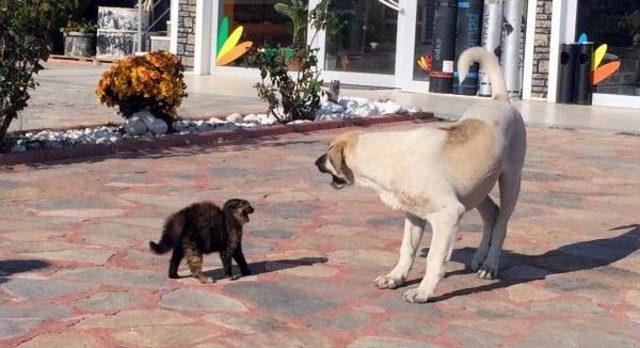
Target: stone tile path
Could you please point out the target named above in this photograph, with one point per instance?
(75, 270)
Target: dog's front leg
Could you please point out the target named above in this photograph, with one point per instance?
(445, 225)
(413, 228)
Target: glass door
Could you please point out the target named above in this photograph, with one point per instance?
(416, 40)
(362, 48)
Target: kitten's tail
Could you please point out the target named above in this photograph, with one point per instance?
(170, 236)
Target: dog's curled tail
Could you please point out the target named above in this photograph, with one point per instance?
(170, 235)
(490, 65)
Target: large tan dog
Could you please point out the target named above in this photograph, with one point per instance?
(436, 174)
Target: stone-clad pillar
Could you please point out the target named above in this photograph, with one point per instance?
(186, 31)
(541, 49)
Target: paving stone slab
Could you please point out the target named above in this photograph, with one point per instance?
(133, 318)
(160, 336)
(246, 323)
(118, 277)
(67, 339)
(282, 300)
(200, 300)
(16, 327)
(563, 334)
(43, 311)
(409, 326)
(109, 301)
(41, 289)
(387, 342)
(279, 339)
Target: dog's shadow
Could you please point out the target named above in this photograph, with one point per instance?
(569, 258)
(269, 266)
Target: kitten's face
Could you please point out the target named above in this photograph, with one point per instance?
(240, 209)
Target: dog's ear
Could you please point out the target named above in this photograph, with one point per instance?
(336, 155)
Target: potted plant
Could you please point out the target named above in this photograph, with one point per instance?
(79, 39)
(292, 96)
(298, 14)
(147, 91)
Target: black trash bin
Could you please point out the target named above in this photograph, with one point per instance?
(444, 43)
(583, 89)
(567, 73)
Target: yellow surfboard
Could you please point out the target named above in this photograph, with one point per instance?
(598, 56)
(231, 42)
(234, 54)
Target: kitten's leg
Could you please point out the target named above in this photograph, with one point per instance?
(194, 260)
(240, 260)
(176, 257)
(225, 256)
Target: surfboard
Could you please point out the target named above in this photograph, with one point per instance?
(583, 38)
(223, 34)
(234, 54)
(231, 42)
(604, 72)
(598, 55)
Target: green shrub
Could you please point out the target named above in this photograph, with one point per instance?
(294, 96)
(24, 43)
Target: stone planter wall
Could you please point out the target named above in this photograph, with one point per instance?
(78, 44)
(118, 31)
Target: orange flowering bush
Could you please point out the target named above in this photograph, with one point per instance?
(154, 81)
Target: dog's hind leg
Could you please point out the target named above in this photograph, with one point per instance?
(509, 183)
(445, 225)
(489, 212)
(413, 228)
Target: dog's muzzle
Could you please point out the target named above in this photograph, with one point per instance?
(336, 182)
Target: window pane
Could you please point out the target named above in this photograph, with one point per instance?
(365, 39)
(424, 37)
(261, 23)
(616, 23)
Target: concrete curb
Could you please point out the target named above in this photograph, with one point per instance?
(203, 138)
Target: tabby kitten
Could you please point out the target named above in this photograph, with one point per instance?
(204, 228)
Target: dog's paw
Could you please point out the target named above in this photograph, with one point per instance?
(417, 295)
(388, 282)
(478, 258)
(489, 269)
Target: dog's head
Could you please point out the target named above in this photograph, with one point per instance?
(335, 161)
(239, 209)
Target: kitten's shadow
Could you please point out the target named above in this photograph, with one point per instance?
(269, 266)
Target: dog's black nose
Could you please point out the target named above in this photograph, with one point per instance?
(320, 163)
(250, 210)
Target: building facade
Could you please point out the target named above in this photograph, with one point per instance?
(379, 42)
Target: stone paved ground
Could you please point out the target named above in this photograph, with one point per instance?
(76, 271)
